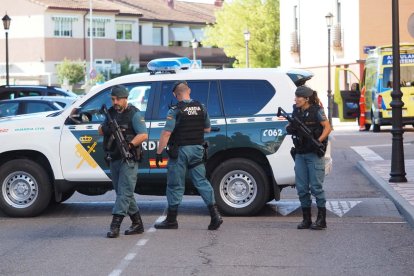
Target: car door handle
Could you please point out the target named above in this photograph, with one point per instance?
(215, 128)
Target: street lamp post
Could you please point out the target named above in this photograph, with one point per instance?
(194, 44)
(329, 19)
(397, 157)
(247, 39)
(6, 24)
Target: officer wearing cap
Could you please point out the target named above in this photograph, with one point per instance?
(184, 134)
(309, 167)
(124, 174)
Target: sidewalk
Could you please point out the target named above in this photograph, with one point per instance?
(402, 194)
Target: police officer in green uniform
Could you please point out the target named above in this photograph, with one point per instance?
(309, 167)
(184, 134)
(123, 173)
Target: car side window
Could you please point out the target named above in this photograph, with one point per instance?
(93, 106)
(139, 95)
(7, 95)
(213, 102)
(34, 107)
(245, 97)
(199, 92)
(54, 94)
(8, 109)
(25, 93)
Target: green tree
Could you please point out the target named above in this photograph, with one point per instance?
(261, 18)
(70, 70)
(126, 68)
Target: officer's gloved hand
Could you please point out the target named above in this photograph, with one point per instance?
(158, 159)
(106, 130)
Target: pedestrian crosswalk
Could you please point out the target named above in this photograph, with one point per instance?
(337, 207)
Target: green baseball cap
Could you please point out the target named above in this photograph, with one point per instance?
(119, 91)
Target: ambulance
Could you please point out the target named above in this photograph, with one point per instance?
(376, 83)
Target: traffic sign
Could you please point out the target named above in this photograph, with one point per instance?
(92, 73)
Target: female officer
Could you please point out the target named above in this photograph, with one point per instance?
(309, 167)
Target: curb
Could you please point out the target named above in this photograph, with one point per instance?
(403, 206)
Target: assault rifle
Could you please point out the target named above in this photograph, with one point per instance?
(118, 136)
(303, 130)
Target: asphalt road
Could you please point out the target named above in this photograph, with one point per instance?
(366, 235)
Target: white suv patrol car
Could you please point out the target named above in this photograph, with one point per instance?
(48, 158)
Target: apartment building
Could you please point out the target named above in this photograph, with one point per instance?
(357, 24)
(44, 32)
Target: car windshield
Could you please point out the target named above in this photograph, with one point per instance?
(406, 76)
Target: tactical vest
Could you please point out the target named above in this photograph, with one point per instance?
(189, 128)
(124, 121)
(310, 118)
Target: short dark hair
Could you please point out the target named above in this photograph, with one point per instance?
(177, 83)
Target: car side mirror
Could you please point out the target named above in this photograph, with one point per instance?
(85, 117)
(78, 118)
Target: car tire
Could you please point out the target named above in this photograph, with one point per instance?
(241, 187)
(25, 188)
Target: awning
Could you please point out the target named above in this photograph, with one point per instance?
(198, 34)
(180, 34)
(64, 18)
(99, 19)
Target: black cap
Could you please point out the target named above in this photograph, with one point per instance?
(177, 83)
(119, 91)
(304, 91)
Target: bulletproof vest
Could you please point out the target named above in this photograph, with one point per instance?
(310, 118)
(124, 121)
(189, 127)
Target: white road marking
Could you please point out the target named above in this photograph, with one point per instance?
(116, 272)
(142, 242)
(132, 254)
(161, 218)
(152, 229)
(340, 208)
(286, 207)
(367, 154)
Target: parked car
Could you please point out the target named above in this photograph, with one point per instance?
(17, 91)
(35, 104)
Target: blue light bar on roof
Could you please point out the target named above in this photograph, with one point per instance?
(168, 65)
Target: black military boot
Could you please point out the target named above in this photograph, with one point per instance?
(170, 222)
(320, 222)
(216, 219)
(136, 227)
(115, 225)
(307, 218)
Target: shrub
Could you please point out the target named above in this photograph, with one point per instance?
(72, 71)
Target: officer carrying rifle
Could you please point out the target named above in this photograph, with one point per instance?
(184, 134)
(309, 128)
(124, 130)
